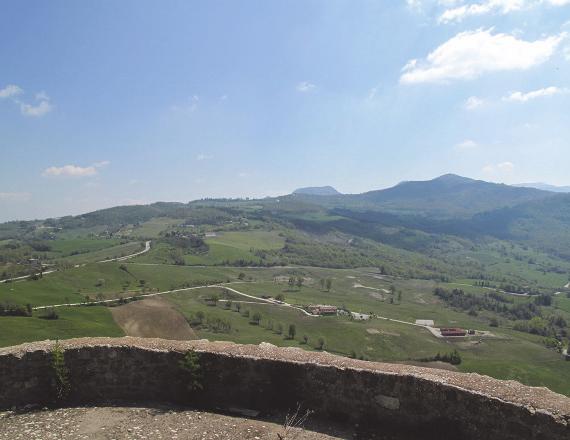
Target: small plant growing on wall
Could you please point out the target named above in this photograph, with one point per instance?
(190, 363)
(60, 371)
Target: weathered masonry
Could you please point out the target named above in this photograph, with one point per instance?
(389, 397)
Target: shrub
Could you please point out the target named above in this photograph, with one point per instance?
(292, 331)
(50, 313)
(256, 318)
(60, 371)
(190, 364)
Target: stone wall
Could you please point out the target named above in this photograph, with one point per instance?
(387, 397)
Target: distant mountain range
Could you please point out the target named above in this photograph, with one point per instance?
(544, 187)
(411, 215)
(445, 196)
(317, 191)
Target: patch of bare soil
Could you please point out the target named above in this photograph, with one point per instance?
(377, 295)
(121, 423)
(152, 318)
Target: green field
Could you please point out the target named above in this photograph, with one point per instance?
(73, 322)
(257, 257)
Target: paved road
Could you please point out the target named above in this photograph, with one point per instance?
(147, 295)
(126, 257)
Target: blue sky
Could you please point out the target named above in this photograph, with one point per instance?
(105, 103)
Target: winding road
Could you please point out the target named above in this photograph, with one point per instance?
(126, 257)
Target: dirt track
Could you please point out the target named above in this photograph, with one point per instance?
(152, 318)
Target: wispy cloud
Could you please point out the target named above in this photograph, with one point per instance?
(458, 13)
(540, 93)
(74, 170)
(190, 106)
(15, 196)
(305, 86)
(471, 54)
(40, 109)
(41, 106)
(203, 156)
(467, 144)
(9, 91)
(473, 103)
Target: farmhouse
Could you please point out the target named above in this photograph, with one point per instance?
(452, 331)
(319, 309)
(359, 316)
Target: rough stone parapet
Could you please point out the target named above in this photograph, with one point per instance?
(266, 378)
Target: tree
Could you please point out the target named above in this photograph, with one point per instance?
(291, 282)
(322, 282)
(305, 339)
(238, 307)
(328, 284)
(256, 318)
(299, 282)
(320, 343)
(200, 316)
(292, 331)
(392, 289)
(280, 297)
(241, 276)
(279, 329)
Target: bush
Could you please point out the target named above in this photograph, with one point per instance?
(50, 313)
(453, 358)
(256, 318)
(190, 364)
(60, 371)
(292, 331)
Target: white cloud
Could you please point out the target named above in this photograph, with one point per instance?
(243, 175)
(191, 106)
(414, 5)
(471, 54)
(498, 6)
(101, 164)
(467, 144)
(74, 170)
(461, 12)
(305, 86)
(540, 93)
(15, 196)
(473, 102)
(203, 156)
(42, 106)
(38, 110)
(10, 90)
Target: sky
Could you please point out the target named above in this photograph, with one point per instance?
(106, 103)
